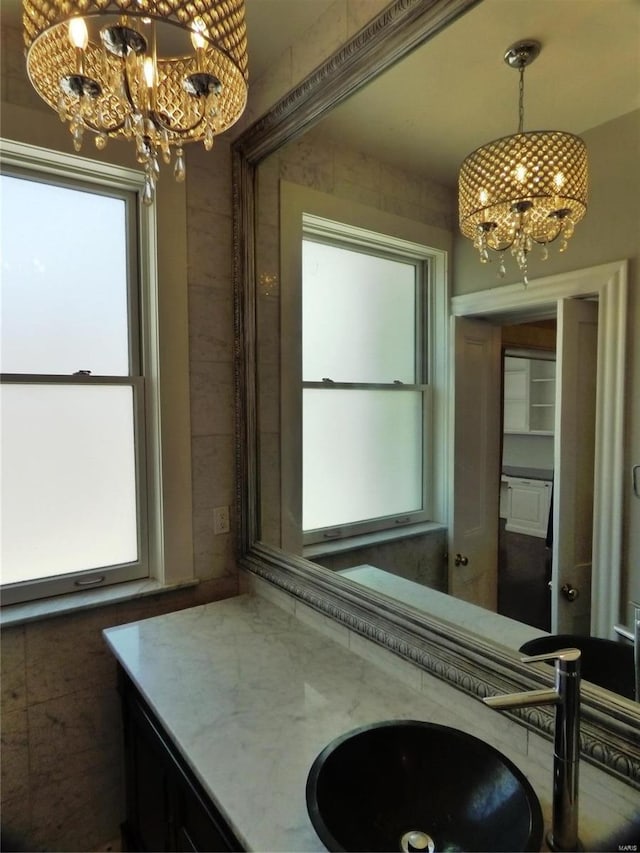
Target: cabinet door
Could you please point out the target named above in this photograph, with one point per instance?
(528, 507)
(148, 823)
(167, 807)
(195, 825)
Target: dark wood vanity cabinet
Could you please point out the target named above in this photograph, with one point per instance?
(166, 806)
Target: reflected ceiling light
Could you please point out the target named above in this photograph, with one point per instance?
(160, 73)
(525, 189)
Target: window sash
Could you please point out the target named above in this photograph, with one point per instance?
(132, 230)
(39, 165)
(29, 590)
(342, 236)
(391, 521)
(314, 231)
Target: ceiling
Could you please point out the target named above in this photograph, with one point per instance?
(456, 93)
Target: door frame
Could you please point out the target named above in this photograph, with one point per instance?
(608, 284)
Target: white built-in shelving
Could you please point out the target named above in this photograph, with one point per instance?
(529, 395)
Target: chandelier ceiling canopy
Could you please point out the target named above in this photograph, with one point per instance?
(160, 73)
(523, 190)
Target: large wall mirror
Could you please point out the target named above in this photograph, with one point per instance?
(368, 146)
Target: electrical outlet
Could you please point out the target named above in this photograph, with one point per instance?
(220, 520)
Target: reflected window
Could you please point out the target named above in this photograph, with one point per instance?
(72, 440)
(365, 394)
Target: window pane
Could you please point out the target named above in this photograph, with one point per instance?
(64, 280)
(362, 455)
(68, 479)
(358, 316)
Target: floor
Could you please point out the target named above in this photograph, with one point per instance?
(524, 570)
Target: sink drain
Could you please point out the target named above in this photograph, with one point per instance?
(417, 842)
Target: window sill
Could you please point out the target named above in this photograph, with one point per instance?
(34, 611)
(353, 543)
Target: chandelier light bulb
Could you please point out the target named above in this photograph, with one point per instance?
(524, 190)
(78, 33)
(198, 40)
(559, 180)
(149, 71)
(521, 173)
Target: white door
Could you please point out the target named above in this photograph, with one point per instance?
(473, 536)
(577, 347)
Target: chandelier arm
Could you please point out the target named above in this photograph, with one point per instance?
(500, 248)
(552, 239)
(127, 88)
(96, 128)
(158, 120)
(156, 117)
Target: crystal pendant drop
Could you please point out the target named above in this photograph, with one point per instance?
(164, 147)
(179, 170)
(77, 138)
(101, 141)
(147, 192)
(76, 127)
(62, 109)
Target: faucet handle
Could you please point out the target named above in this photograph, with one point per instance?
(559, 655)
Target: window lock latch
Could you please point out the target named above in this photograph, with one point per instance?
(328, 380)
(82, 373)
(332, 534)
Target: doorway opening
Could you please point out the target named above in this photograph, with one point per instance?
(525, 521)
(607, 286)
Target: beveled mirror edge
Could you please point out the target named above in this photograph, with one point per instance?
(466, 661)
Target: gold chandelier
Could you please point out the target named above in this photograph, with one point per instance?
(525, 189)
(160, 73)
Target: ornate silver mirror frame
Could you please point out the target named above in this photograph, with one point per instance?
(467, 661)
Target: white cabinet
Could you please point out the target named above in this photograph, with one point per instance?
(529, 395)
(525, 505)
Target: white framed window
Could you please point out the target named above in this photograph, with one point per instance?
(74, 497)
(377, 350)
(366, 396)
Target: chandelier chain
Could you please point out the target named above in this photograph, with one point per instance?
(521, 101)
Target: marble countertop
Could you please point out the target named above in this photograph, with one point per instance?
(528, 473)
(250, 694)
(478, 620)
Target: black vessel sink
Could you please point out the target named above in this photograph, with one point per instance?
(603, 662)
(408, 785)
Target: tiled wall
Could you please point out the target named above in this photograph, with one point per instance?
(61, 736)
(211, 354)
(417, 558)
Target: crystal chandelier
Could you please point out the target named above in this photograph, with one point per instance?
(523, 190)
(160, 73)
